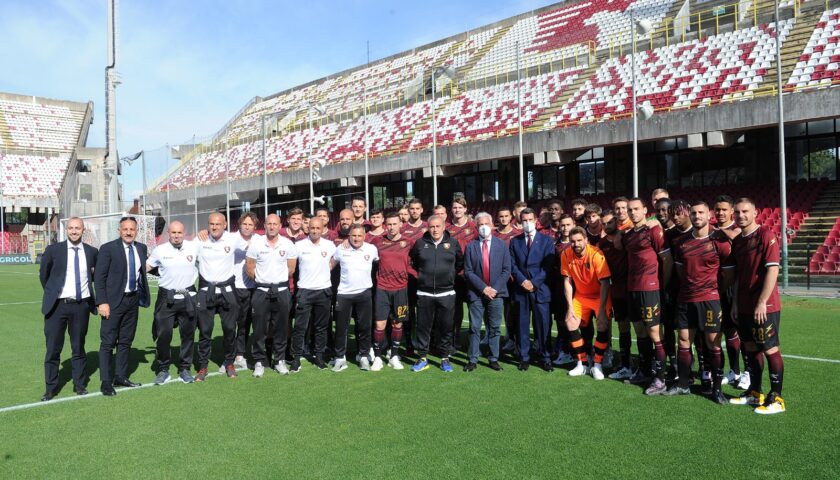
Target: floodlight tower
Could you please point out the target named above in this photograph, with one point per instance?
(111, 81)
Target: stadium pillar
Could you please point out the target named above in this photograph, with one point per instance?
(519, 125)
(643, 27)
(434, 145)
(367, 163)
(265, 171)
(143, 166)
(782, 172)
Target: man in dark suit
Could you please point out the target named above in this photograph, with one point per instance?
(487, 271)
(66, 276)
(121, 288)
(532, 259)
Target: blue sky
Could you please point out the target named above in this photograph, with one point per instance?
(188, 66)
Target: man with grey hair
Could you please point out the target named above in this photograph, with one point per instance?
(487, 270)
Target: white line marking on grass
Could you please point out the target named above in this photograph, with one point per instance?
(18, 273)
(26, 406)
(797, 357)
(18, 303)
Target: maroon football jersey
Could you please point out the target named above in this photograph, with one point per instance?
(507, 236)
(394, 264)
(370, 236)
(672, 236)
(414, 233)
(617, 261)
(284, 232)
(330, 235)
(465, 233)
(550, 232)
(593, 238)
(642, 246)
(701, 260)
(751, 255)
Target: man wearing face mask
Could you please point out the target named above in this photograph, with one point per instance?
(487, 270)
(533, 257)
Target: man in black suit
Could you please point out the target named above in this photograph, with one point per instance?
(121, 287)
(66, 276)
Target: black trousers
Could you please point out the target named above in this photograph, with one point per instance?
(315, 304)
(431, 312)
(271, 319)
(345, 305)
(75, 318)
(165, 319)
(206, 316)
(117, 331)
(245, 320)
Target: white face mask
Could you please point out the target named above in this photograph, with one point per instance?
(484, 231)
(529, 227)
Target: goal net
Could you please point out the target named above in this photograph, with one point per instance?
(101, 229)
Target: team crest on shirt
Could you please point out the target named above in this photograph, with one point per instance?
(709, 247)
(227, 249)
(446, 246)
(189, 258)
(367, 257)
(773, 241)
(402, 244)
(324, 254)
(466, 231)
(282, 253)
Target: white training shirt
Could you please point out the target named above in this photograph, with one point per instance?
(69, 290)
(242, 278)
(176, 265)
(356, 266)
(314, 263)
(272, 261)
(216, 257)
(137, 267)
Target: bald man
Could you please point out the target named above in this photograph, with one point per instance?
(216, 296)
(66, 275)
(175, 263)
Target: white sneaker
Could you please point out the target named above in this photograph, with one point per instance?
(332, 361)
(744, 381)
(222, 367)
(364, 364)
(564, 358)
(377, 365)
(623, 374)
(281, 368)
(596, 372)
(731, 378)
(259, 371)
(340, 365)
(240, 362)
(580, 369)
(395, 363)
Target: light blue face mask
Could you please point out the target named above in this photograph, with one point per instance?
(484, 231)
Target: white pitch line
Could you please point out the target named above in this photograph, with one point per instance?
(26, 406)
(18, 303)
(797, 357)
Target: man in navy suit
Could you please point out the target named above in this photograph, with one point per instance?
(487, 271)
(532, 258)
(121, 288)
(67, 278)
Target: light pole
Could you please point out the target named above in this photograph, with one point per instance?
(782, 172)
(312, 172)
(2, 214)
(519, 125)
(434, 142)
(643, 26)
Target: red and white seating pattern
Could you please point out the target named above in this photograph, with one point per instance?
(826, 258)
(699, 72)
(484, 113)
(32, 175)
(819, 64)
(41, 126)
(565, 31)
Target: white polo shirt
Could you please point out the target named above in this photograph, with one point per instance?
(69, 289)
(314, 263)
(216, 257)
(242, 278)
(356, 266)
(272, 262)
(176, 265)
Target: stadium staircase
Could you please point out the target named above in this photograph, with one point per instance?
(500, 33)
(802, 252)
(568, 92)
(796, 40)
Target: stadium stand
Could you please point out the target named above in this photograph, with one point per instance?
(819, 64)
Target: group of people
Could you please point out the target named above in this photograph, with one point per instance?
(688, 279)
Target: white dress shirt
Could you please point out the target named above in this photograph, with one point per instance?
(314, 263)
(69, 289)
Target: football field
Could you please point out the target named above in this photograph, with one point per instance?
(398, 424)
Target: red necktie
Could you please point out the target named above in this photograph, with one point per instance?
(529, 242)
(485, 259)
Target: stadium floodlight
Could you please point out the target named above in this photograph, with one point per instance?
(320, 199)
(641, 27)
(645, 110)
(782, 169)
(310, 109)
(414, 87)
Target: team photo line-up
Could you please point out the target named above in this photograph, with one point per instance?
(691, 279)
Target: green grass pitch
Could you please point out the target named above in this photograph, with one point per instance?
(318, 424)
